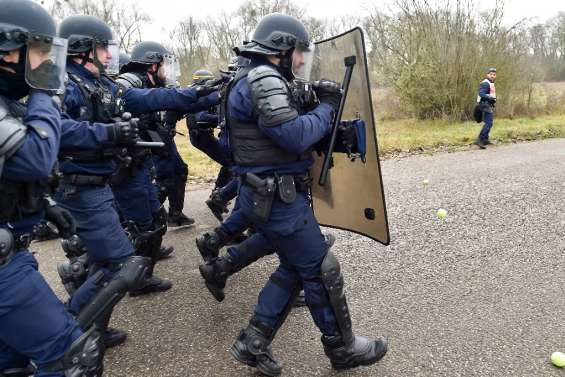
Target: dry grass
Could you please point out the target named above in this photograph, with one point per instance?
(406, 135)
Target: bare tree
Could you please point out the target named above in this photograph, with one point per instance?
(124, 18)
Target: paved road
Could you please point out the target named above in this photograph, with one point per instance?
(479, 294)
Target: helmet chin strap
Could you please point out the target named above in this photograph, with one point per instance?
(85, 59)
(286, 65)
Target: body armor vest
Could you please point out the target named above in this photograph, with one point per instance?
(249, 145)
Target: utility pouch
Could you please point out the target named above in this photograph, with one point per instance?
(287, 188)
(263, 195)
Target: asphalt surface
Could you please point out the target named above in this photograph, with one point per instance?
(477, 294)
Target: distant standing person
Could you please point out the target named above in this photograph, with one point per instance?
(486, 100)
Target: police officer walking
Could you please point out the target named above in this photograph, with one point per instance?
(271, 145)
(34, 325)
(486, 100)
(92, 97)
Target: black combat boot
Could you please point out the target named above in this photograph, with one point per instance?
(114, 337)
(151, 284)
(359, 351)
(253, 347)
(165, 252)
(179, 219)
(210, 243)
(217, 205)
(215, 274)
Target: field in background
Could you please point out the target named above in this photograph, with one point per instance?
(397, 133)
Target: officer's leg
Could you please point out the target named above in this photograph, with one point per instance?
(159, 216)
(217, 271)
(100, 230)
(210, 243)
(220, 198)
(34, 322)
(74, 271)
(253, 345)
(307, 251)
(139, 202)
(178, 192)
(225, 175)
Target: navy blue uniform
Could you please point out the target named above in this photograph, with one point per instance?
(34, 324)
(92, 205)
(291, 228)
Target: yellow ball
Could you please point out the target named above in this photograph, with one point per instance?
(558, 359)
(441, 213)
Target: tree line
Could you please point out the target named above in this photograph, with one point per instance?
(432, 56)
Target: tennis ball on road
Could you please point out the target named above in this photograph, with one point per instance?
(426, 182)
(558, 359)
(441, 213)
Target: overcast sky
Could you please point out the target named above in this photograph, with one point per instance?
(166, 13)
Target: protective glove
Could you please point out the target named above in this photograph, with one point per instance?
(59, 216)
(125, 132)
(328, 92)
(347, 136)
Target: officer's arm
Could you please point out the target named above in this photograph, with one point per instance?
(85, 135)
(301, 133)
(206, 117)
(73, 101)
(277, 116)
(35, 150)
(484, 90)
(185, 100)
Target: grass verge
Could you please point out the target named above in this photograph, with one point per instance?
(410, 135)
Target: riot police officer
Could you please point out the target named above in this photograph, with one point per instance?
(92, 97)
(35, 326)
(271, 145)
(151, 66)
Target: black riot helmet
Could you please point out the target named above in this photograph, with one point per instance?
(26, 26)
(201, 76)
(86, 34)
(124, 60)
(277, 34)
(148, 53)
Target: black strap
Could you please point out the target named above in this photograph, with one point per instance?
(85, 180)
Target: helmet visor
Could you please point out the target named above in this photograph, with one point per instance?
(111, 60)
(170, 64)
(46, 63)
(302, 62)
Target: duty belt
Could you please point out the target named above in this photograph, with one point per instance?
(301, 182)
(85, 180)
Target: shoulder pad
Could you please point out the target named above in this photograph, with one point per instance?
(271, 96)
(12, 131)
(129, 80)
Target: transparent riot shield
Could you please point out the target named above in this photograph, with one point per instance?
(350, 195)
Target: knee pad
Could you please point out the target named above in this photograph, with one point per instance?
(73, 273)
(73, 246)
(84, 358)
(130, 276)
(332, 279)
